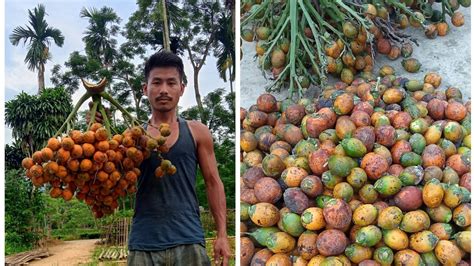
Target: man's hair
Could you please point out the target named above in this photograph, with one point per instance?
(164, 59)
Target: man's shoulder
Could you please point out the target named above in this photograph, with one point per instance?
(199, 131)
(197, 125)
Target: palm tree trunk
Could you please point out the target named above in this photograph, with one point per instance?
(166, 34)
(198, 95)
(230, 79)
(40, 78)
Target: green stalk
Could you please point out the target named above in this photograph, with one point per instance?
(332, 11)
(310, 54)
(106, 120)
(325, 24)
(447, 8)
(73, 113)
(93, 111)
(341, 16)
(294, 31)
(283, 19)
(107, 97)
(405, 9)
(300, 89)
(266, 15)
(361, 20)
(274, 42)
(318, 45)
(283, 73)
(252, 16)
(301, 65)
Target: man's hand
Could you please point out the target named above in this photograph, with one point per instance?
(221, 251)
(98, 115)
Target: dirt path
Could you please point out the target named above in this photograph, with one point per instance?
(69, 253)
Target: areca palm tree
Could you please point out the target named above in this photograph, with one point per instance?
(98, 38)
(225, 49)
(37, 35)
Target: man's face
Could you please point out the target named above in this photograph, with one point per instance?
(163, 88)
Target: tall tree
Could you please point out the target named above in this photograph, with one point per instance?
(38, 35)
(224, 49)
(198, 34)
(145, 27)
(103, 26)
(166, 31)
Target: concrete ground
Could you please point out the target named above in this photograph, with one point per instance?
(450, 56)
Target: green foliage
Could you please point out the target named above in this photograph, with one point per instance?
(103, 25)
(220, 110)
(38, 35)
(62, 214)
(144, 29)
(224, 48)
(13, 156)
(35, 118)
(103, 59)
(24, 207)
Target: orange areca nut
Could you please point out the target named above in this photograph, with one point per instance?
(113, 144)
(128, 141)
(27, 163)
(62, 155)
(52, 167)
(88, 149)
(137, 132)
(88, 137)
(37, 157)
(101, 134)
(76, 151)
(53, 144)
(86, 165)
(95, 126)
(73, 165)
(67, 143)
(103, 145)
(76, 136)
(118, 138)
(100, 157)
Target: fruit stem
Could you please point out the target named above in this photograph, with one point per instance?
(274, 42)
(293, 38)
(405, 9)
(93, 112)
(446, 9)
(280, 77)
(132, 120)
(106, 120)
(318, 44)
(73, 113)
(364, 22)
(255, 13)
(314, 81)
(283, 20)
(322, 22)
(310, 54)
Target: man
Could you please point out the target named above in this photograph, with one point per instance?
(166, 228)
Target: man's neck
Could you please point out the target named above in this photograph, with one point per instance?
(163, 117)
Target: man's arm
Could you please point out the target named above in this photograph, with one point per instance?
(214, 187)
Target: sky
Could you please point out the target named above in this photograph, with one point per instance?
(64, 15)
